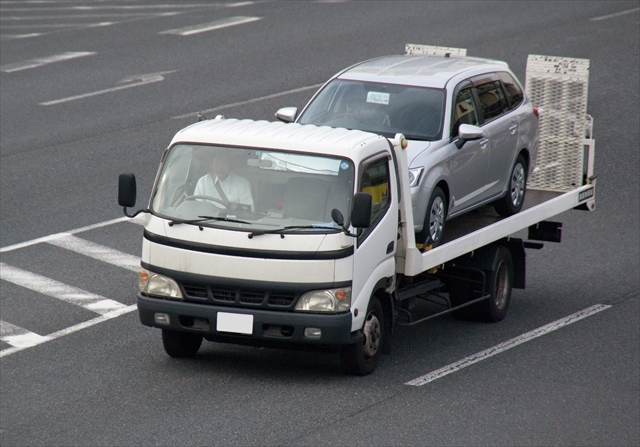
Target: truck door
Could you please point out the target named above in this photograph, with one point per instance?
(376, 245)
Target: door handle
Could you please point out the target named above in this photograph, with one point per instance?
(483, 143)
(513, 128)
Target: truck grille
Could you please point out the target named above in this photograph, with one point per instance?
(213, 294)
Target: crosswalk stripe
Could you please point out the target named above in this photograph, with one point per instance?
(19, 337)
(71, 329)
(97, 251)
(56, 289)
(204, 27)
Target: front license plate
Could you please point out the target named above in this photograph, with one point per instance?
(236, 323)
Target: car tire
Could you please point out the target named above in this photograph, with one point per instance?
(434, 220)
(362, 358)
(511, 202)
(181, 344)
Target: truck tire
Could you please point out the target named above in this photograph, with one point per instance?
(499, 284)
(362, 358)
(512, 201)
(434, 220)
(181, 344)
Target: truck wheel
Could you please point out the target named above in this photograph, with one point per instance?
(512, 202)
(181, 344)
(362, 358)
(434, 220)
(500, 282)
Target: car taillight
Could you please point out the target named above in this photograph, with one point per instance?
(535, 112)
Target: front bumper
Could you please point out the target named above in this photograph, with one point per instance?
(268, 326)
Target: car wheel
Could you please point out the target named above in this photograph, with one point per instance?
(181, 344)
(434, 221)
(512, 201)
(362, 358)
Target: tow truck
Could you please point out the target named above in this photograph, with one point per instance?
(323, 255)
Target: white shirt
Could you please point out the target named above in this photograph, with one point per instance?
(236, 188)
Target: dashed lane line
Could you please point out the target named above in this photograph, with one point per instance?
(249, 101)
(615, 14)
(59, 290)
(97, 251)
(211, 26)
(69, 330)
(39, 62)
(497, 349)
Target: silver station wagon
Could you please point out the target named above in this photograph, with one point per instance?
(472, 132)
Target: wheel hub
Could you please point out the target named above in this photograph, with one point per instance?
(517, 185)
(436, 219)
(372, 335)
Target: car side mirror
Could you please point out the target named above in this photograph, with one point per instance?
(361, 211)
(468, 132)
(127, 190)
(287, 114)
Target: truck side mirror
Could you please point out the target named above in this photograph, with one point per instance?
(467, 132)
(361, 211)
(127, 190)
(287, 114)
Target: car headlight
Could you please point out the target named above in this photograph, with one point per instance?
(158, 285)
(333, 300)
(414, 176)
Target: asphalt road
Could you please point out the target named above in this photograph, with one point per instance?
(128, 81)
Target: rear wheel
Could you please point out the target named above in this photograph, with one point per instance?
(181, 344)
(512, 202)
(362, 358)
(499, 283)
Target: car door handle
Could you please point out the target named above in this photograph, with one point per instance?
(513, 128)
(483, 143)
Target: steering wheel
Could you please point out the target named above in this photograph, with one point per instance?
(213, 199)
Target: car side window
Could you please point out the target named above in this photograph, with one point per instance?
(375, 181)
(464, 110)
(492, 100)
(514, 93)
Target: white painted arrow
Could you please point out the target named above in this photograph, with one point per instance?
(128, 82)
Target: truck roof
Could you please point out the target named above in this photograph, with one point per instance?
(278, 135)
(422, 70)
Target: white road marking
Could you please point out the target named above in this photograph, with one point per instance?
(18, 36)
(106, 7)
(615, 14)
(475, 358)
(204, 27)
(249, 101)
(39, 62)
(88, 16)
(97, 251)
(59, 290)
(72, 329)
(19, 337)
(127, 83)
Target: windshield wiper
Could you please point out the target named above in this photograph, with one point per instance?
(283, 230)
(204, 219)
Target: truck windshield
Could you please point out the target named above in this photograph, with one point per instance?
(248, 189)
(385, 109)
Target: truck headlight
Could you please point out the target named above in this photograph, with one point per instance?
(414, 176)
(333, 300)
(158, 285)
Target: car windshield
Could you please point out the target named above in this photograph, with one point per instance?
(385, 109)
(252, 190)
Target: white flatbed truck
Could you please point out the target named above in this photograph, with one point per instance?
(268, 275)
